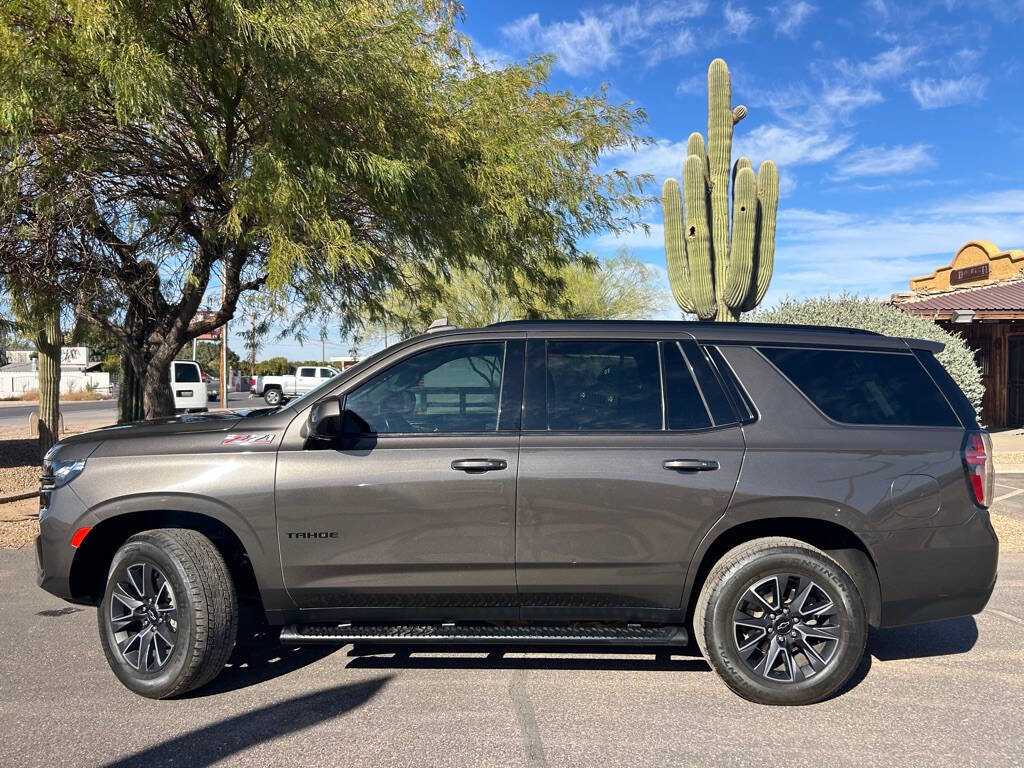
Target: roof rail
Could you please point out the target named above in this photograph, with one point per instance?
(690, 323)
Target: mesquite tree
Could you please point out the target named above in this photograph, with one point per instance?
(325, 149)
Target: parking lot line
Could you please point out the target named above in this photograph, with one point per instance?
(1009, 495)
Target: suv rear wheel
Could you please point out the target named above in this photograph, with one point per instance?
(169, 614)
(781, 622)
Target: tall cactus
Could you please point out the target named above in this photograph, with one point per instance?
(714, 273)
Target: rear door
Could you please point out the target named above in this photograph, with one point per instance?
(187, 386)
(625, 462)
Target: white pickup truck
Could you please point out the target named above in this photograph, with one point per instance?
(277, 389)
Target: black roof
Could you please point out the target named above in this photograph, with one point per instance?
(689, 326)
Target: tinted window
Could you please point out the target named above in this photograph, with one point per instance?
(307, 372)
(741, 400)
(186, 373)
(865, 387)
(449, 389)
(710, 386)
(599, 385)
(326, 373)
(684, 407)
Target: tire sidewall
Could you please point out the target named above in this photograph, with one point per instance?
(164, 680)
(273, 397)
(721, 642)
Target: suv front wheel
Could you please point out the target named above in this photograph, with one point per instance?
(169, 614)
(781, 622)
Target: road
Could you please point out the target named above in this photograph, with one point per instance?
(948, 693)
(92, 412)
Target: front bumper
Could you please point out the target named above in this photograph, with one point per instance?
(926, 574)
(61, 514)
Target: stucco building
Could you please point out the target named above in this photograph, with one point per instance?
(980, 295)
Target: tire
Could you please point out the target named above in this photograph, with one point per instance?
(273, 396)
(735, 629)
(169, 614)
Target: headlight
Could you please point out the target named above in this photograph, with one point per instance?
(58, 473)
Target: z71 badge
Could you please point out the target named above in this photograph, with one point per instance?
(265, 439)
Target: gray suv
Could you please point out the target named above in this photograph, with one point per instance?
(768, 491)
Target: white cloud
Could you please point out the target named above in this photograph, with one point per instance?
(598, 39)
(884, 161)
(933, 94)
(578, 46)
(889, 64)
(738, 20)
(845, 98)
(694, 85)
(1007, 201)
(789, 146)
(790, 16)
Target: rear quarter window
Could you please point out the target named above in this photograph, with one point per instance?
(865, 387)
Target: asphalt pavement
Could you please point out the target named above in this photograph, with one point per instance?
(92, 412)
(948, 693)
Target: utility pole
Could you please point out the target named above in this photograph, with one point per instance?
(252, 345)
(323, 360)
(223, 355)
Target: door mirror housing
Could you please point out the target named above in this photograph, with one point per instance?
(325, 419)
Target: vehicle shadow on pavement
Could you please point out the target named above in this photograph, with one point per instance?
(259, 660)
(576, 657)
(220, 740)
(936, 638)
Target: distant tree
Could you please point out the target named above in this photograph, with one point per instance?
(333, 151)
(619, 289)
(208, 357)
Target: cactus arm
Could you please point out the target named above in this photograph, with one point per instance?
(695, 145)
(675, 245)
(744, 231)
(767, 209)
(720, 122)
(698, 237)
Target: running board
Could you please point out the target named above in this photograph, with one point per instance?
(451, 634)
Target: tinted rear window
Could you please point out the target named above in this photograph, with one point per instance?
(603, 385)
(186, 373)
(865, 387)
(684, 407)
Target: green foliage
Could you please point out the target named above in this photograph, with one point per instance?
(855, 312)
(335, 151)
(275, 366)
(713, 275)
(619, 289)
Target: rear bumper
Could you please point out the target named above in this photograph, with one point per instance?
(926, 574)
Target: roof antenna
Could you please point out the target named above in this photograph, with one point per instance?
(440, 324)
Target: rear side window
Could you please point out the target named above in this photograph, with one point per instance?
(186, 373)
(307, 373)
(861, 387)
(603, 385)
(684, 406)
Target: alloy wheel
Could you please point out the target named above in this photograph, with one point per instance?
(144, 616)
(786, 628)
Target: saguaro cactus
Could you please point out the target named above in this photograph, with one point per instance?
(716, 273)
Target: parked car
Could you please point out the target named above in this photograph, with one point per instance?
(545, 482)
(212, 386)
(188, 386)
(278, 389)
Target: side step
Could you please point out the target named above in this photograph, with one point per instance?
(451, 634)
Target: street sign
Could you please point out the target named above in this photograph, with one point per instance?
(202, 316)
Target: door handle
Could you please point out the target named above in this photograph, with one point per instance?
(479, 465)
(690, 465)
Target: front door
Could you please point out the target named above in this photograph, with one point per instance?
(616, 483)
(413, 514)
(1015, 381)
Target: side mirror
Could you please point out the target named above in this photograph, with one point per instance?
(325, 419)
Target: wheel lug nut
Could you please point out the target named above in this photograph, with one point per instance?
(793, 635)
(771, 630)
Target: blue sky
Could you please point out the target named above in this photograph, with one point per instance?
(898, 129)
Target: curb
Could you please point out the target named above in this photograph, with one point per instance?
(18, 497)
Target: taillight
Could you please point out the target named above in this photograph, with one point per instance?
(977, 455)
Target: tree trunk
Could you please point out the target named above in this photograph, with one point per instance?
(157, 397)
(129, 398)
(48, 344)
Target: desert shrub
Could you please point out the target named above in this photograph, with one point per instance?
(867, 314)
